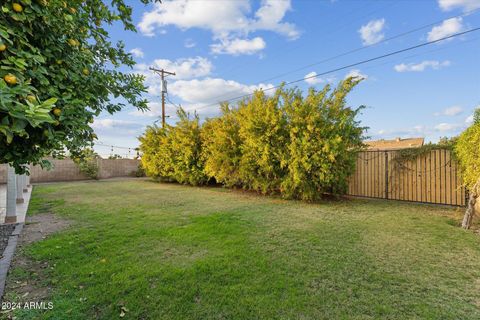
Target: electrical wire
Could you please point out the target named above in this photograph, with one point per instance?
(359, 49)
(352, 65)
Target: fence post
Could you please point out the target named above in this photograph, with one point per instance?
(386, 175)
(11, 216)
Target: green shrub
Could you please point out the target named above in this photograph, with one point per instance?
(264, 136)
(221, 147)
(157, 158)
(324, 139)
(467, 150)
(301, 147)
(186, 147)
(174, 153)
(87, 163)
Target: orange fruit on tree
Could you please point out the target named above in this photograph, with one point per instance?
(17, 7)
(57, 112)
(86, 71)
(3, 47)
(73, 42)
(10, 79)
(31, 98)
(72, 10)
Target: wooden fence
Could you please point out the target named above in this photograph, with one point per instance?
(433, 177)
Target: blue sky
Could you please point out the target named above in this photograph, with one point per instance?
(221, 49)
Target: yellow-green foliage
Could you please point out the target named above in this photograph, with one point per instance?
(157, 158)
(186, 147)
(301, 147)
(467, 150)
(264, 136)
(324, 138)
(174, 153)
(222, 147)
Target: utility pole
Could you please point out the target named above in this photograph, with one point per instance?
(163, 74)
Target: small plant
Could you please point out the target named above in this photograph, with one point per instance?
(87, 163)
(139, 173)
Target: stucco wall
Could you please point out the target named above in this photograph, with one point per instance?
(67, 170)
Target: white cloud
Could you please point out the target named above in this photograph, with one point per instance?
(311, 78)
(184, 68)
(189, 43)
(447, 28)
(355, 73)
(137, 52)
(422, 66)
(226, 19)
(270, 15)
(238, 46)
(466, 5)
(371, 33)
(448, 127)
(451, 111)
(113, 123)
(206, 90)
(154, 110)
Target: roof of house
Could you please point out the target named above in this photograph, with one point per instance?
(397, 143)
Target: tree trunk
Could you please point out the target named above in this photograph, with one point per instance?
(470, 212)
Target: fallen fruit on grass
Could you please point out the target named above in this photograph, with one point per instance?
(57, 112)
(17, 7)
(10, 79)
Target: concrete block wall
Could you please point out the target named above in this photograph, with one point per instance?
(3, 173)
(67, 170)
(110, 168)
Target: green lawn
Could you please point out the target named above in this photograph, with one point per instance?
(165, 251)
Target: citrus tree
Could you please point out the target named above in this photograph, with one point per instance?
(59, 69)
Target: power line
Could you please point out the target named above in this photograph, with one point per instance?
(352, 65)
(279, 52)
(112, 146)
(367, 46)
(357, 49)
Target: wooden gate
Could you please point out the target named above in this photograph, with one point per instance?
(433, 177)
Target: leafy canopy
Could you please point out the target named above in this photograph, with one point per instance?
(58, 69)
(300, 147)
(467, 150)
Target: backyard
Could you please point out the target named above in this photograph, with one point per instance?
(137, 249)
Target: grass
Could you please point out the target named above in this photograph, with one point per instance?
(165, 251)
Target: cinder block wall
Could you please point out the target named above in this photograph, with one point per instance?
(3, 173)
(67, 170)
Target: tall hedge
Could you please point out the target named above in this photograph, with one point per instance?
(222, 144)
(467, 150)
(300, 147)
(264, 135)
(324, 138)
(174, 153)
